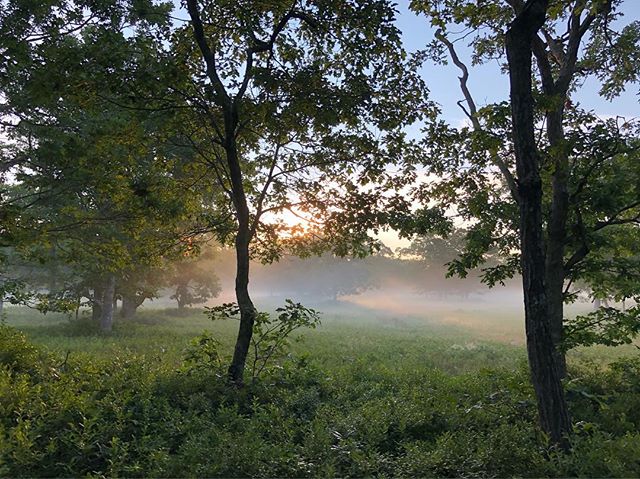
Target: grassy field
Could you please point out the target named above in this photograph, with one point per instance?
(345, 334)
(454, 340)
(366, 394)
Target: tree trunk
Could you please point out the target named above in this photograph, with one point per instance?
(556, 236)
(247, 310)
(106, 319)
(243, 239)
(96, 304)
(130, 305)
(182, 306)
(246, 227)
(181, 296)
(1, 306)
(552, 406)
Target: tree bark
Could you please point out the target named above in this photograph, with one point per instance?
(96, 304)
(545, 375)
(106, 319)
(243, 239)
(130, 304)
(556, 233)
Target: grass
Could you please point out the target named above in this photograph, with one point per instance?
(454, 340)
(366, 394)
(363, 335)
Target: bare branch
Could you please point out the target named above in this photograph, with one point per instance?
(472, 113)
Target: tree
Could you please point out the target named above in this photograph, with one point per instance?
(193, 279)
(136, 284)
(538, 301)
(321, 278)
(293, 97)
(95, 174)
(436, 250)
(521, 190)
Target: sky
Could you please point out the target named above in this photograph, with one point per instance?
(486, 82)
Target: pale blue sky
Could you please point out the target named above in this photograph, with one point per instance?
(486, 82)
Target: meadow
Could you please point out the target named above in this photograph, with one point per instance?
(365, 394)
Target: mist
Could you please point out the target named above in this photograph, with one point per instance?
(383, 291)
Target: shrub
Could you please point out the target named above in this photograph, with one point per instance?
(16, 353)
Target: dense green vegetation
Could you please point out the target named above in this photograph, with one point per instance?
(143, 141)
(359, 397)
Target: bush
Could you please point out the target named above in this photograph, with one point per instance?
(133, 415)
(16, 353)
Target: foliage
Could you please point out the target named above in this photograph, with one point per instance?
(270, 340)
(347, 409)
(606, 325)
(436, 250)
(203, 353)
(589, 165)
(320, 92)
(98, 185)
(17, 354)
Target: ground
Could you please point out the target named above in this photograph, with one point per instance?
(367, 393)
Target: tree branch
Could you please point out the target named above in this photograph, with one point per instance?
(265, 189)
(472, 113)
(209, 57)
(260, 46)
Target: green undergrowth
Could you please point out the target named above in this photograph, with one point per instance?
(352, 400)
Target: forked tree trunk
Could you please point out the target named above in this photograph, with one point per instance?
(543, 358)
(106, 319)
